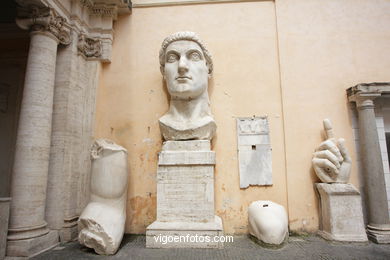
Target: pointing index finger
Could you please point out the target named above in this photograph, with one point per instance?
(328, 128)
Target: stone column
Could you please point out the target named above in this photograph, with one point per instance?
(28, 233)
(378, 227)
(69, 165)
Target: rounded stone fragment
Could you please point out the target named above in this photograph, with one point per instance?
(268, 222)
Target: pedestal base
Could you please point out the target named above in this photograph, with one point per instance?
(379, 234)
(184, 234)
(32, 246)
(341, 213)
(342, 238)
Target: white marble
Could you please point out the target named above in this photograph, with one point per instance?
(186, 65)
(254, 151)
(102, 223)
(185, 194)
(185, 183)
(185, 174)
(341, 212)
(268, 222)
(331, 160)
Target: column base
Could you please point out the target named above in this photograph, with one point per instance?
(379, 234)
(184, 234)
(32, 246)
(68, 233)
(4, 218)
(69, 230)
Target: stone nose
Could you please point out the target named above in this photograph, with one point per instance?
(183, 65)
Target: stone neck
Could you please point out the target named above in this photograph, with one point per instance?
(189, 110)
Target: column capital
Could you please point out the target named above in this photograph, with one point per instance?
(364, 101)
(364, 94)
(45, 20)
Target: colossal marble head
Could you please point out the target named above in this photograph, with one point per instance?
(186, 65)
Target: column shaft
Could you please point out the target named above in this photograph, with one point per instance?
(29, 179)
(372, 165)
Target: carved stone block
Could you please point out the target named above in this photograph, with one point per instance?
(254, 151)
(185, 195)
(341, 213)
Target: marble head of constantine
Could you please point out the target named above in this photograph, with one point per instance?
(186, 65)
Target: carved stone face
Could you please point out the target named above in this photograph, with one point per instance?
(185, 72)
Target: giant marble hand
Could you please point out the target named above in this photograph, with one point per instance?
(331, 161)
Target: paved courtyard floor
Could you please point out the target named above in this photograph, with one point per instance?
(298, 247)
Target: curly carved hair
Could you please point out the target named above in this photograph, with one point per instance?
(189, 36)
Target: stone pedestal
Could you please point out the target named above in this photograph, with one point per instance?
(341, 213)
(185, 197)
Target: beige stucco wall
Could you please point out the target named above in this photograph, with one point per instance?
(319, 48)
(131, 98)
(325, 48)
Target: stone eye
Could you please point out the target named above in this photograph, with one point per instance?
(195, 56)
(172, 58)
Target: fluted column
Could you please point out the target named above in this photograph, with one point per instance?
(378, 227)
(28, 232)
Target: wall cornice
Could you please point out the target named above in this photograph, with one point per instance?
(368, 91)
(161, 3)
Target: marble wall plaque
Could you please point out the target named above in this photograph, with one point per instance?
(254, 151)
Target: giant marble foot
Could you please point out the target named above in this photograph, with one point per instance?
(102, 223)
